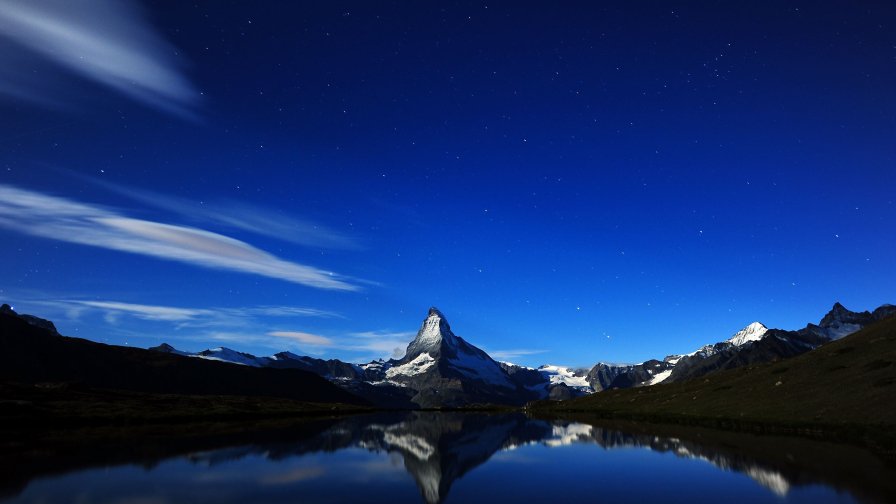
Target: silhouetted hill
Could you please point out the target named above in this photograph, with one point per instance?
(35, 355)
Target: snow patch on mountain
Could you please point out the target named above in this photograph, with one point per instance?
(225, 354)
(375, 367)
(417, 366)
(387, 383)
(568, 376)
(753, 332)
(660, 377)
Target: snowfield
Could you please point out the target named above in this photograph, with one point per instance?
(417, 366)
(568, 376)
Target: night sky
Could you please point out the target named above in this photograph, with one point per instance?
(591, 181)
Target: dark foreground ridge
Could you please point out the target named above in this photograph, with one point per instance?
(46, 376)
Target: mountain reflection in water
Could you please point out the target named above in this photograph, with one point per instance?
(438, 448)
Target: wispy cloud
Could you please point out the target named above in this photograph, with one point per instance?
(66, 220)
(238, 215)
(509, 355)
(364, 346)
(405, 336)
(105, 41)
(146, 312)
(378, 343)
(238, 340)
(352, 347)
(185, 317)
(289, 311)
(303, 338)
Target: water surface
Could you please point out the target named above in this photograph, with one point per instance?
(450, 457)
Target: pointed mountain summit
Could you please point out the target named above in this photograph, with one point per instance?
(841, 321)
(753, 332)
(444, 370)
(433, 337)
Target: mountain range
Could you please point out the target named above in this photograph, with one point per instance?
(843, 389)
(441, 369)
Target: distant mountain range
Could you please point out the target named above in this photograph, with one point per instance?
(441, 369)
(844, 388)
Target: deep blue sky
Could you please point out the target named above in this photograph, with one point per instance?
(592, 181)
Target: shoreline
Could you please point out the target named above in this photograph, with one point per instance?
(44, 412)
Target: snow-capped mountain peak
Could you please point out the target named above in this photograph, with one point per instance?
(432, 334)
(753, 332)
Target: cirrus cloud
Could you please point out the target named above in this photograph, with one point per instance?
(105, 41)
(515, 353)
(147, 312)
(66, 220)
(303, 337)
(237, 215)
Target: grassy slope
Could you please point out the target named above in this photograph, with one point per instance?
(847, 382)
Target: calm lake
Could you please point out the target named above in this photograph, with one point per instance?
(445, 457)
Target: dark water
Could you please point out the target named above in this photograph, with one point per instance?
(444, 457)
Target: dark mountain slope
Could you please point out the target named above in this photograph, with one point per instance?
(755, 344)
(775, 345)
(36, 355)
(848, 381)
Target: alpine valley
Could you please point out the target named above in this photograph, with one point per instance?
(442, 370)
